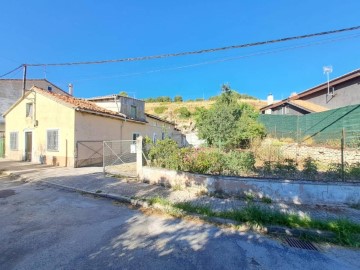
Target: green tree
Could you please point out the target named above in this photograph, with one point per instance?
(178, 99)
(228, 124)
(123, 93)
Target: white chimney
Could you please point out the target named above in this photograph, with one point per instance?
(71, 89)
(270, 99)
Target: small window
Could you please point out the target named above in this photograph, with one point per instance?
(29, 109)
(53, 140)
(154, 138)
(135, 136)
(133, 111)
(162, 135)
(13, 140)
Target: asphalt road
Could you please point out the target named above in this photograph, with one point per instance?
(46, 228)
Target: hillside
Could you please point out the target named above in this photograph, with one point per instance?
(170, 111)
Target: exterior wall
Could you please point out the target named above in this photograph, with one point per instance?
(288, 110)
(298, 192)
(47, 114)
(158, 127)
(91, 130)
(347, 93)
(2, 127)
(123, 105)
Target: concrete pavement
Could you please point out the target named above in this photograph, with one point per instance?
(46, 228)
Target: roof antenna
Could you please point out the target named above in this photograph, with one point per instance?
(327, 70)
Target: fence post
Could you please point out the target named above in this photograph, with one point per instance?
(342, 155)
(139, 157)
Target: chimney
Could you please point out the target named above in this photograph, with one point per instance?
(270, 99)
(71, 89)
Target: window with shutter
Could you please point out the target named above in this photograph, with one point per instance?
(53, 140)
(13, 140)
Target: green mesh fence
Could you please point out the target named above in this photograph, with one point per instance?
(325, 127)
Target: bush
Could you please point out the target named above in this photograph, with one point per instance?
(204, 161)
(178, 99)
(310, 167)
(183, 112)
(287, 167)
(166, 154)
(240, 162)
(160, 109)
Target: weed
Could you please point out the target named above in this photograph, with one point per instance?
(310, 167)
(159, 200)
(177, 187)
(346, 232)
(160, 109)
(249, 197)
(266, 200)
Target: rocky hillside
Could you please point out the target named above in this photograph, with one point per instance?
(182, 113)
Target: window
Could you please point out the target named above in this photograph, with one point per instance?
(154, 138)
(13, 140)
(135, 136)
(53, 140)
(29, 109)
(133, 111)
(162, 135)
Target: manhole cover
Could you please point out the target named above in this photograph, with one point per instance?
(303, 244)
(6, 193)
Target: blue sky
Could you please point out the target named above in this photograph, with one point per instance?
(63, 31)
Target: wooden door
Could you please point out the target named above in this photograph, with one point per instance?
(28, 146)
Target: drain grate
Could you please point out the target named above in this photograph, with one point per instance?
(296, 243)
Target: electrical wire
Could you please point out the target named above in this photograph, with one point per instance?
(224, 59)
(160, 56)
(11, 71)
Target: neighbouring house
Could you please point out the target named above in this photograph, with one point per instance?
(156, 127)
(341, 91)
(11, 91)
(47, 127)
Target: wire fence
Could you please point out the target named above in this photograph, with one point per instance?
(119, 157)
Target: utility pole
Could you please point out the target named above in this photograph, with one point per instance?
(24, 79)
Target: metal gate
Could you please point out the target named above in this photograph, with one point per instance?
(119, 157)
(2, 146)
(89, 153)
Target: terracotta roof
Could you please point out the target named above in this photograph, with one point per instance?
(76, 103)
(307, 105)
(158, 118)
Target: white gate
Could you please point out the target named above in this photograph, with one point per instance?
(119, 157)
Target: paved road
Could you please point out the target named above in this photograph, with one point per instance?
(47, 228)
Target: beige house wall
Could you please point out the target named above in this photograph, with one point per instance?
(47, 114)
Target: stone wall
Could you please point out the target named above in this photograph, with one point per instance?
(321, 154)
(298, 192)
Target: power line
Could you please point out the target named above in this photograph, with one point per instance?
(11, 71)
(160, 56)
(266, 52)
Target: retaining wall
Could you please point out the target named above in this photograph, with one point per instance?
(298, 192)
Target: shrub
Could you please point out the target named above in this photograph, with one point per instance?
(183, 112)
(353, 171)
(288, 166)
(204, 161)
(310, 167)
(160, 109)
(240, 162)
(166, 154)
(178, 99)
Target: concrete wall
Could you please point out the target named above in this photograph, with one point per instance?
(298, 192)
(47, 114)
(347, 93)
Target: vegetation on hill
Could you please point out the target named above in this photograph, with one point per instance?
(228, 124)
